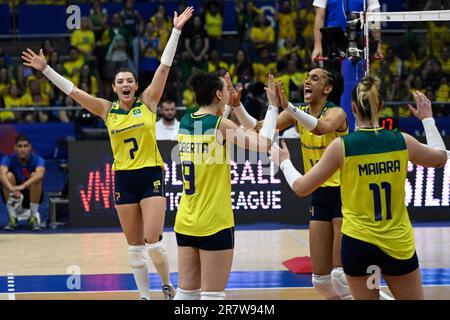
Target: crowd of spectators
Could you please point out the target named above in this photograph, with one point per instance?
(280, 44)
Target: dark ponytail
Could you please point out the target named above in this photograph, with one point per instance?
(205, 86)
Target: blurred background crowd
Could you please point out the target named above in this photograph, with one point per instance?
(416, 56)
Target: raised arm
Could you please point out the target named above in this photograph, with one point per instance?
(95, 105)
(244, 138)
(335, 119)
(304, 185)
(154, 91)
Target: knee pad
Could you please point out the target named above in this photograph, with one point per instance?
(187, 294)
(324, 286)
(157, 251)
(218, 295)
(340, 284)
(136, 256)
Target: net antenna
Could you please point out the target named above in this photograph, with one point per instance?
(405, 16)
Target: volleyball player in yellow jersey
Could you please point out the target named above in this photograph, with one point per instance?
(204, 224)
(319, 123)
(373, 164)
(138, 166)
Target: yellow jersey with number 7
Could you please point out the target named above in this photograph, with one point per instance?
(133, 137)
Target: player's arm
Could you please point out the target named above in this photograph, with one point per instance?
(4, 179)
(95, 105)
(284, 121)
(244, 138)
(319, 22)
(304, 185)
(36, 177)
(154, 91)
(335, 119)
(424, 155)
(424, 112)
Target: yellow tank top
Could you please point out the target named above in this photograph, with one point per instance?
(373, 191)
(213, 25)
(313, 146)
(133, 137)
(205, 206)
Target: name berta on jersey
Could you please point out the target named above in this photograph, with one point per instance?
(193, 147)
(379, 167)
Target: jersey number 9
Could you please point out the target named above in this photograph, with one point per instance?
(135, 146)
(189, 177)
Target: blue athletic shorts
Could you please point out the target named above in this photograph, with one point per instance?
(222, 240)
(358, 255)
(131, 186)
(326, 204)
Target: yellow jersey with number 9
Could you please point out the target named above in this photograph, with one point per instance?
(205, 206)
(373, 191)
(314, 146)
(133, 137)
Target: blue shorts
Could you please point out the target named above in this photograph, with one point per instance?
(358, 255)
(131, 186)
(326, 204)
(222, 240)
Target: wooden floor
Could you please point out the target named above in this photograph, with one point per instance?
(106, 253)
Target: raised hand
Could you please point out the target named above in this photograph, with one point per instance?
(281, 94)
(235, 95)
(180, 20)
(271, 92)
(33, 60)
(277, 154)
(423, 106)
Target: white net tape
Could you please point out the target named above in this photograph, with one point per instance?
(407, 16)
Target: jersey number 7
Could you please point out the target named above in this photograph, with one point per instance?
(135, 146)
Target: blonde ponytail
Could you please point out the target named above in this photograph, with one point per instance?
(368, 98)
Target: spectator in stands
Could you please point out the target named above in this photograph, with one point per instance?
(48, 47)
(13, 100)
(54, 59)
(133, 22)
(395, 63)
(442, 94)
(21, 176)
(67, 116)
(73, 66)
(116, 42)
(84, 40)
(415, 84)
(431, 73)
(265, 66)
(214, 25)
(256, 100)
(246, 14)
(163, 25)
(150, 51)
(99, 19)
(438, 36)
(196, 42)
(215, 63)
(293, 79)
(32, 98)
(445, 60)
(262, 34)
(87, 78)
(399, 91)
(305, 23)
(286, 19)
(241, 68)
(167, 126)
(4, 85)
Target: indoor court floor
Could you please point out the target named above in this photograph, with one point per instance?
(41, 265)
